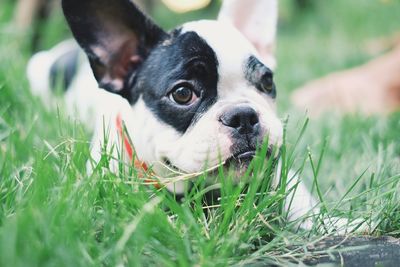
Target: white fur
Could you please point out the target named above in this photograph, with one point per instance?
(207, 142)
(38, 68)
(257, 21)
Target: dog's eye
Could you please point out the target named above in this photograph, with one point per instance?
(267, 83)
(183, 95)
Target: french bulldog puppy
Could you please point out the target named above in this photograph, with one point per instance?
(188, 99)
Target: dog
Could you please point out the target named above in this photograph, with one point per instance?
(188, 99)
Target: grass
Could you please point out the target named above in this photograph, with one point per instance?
(53, 214)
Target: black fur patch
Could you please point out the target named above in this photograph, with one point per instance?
(184, 57)
(260, 76)
(64, 69)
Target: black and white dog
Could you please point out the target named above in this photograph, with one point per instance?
(198, 95)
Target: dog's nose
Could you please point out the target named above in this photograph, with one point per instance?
(244, 119)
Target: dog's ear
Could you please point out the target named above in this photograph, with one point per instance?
(257, 21)
(115, 35)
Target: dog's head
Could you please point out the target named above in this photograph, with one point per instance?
(200, 94)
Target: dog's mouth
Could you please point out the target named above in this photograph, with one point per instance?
(239, 161)
(242, 159)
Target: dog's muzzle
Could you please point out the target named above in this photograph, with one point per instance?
(242, 120)
(244, 126)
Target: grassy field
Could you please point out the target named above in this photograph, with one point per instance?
(53, 214)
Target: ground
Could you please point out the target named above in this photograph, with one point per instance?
(53, 214)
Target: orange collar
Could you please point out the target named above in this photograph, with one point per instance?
(131, 152)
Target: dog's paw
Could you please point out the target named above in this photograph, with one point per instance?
(336, 225)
